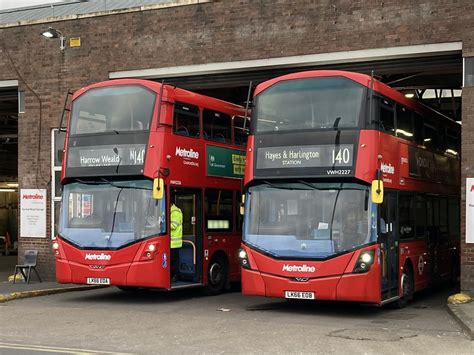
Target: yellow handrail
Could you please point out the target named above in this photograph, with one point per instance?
(194, 249)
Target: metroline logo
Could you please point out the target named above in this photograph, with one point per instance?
(32, 197)
(182, 152)
(298, 268)
(100, 256)
(387, 168)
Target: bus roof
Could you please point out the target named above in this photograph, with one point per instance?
(360, 78)
(169, 91)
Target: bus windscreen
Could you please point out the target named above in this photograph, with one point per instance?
(112, 109)
(309, 220)
(310, 103)
(109, 215)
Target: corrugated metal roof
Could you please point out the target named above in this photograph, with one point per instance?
(62, 9)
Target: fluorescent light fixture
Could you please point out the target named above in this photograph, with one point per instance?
(451, 151)
(12, 184)
(7, 190)
(53, 33)
(427, 140)
(405, 133)
(410, 95)
(48, 34)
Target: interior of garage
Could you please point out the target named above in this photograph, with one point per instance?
(434, 80)
(8, 180)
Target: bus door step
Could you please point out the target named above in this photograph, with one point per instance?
(182, 284)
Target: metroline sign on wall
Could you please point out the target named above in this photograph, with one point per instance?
(33, 213)
(470, 210)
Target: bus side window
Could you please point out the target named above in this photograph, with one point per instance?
(443, 218)
(418, 123)
(240, 218)
(186, 120)
(404, 123)
(387, 118)
(241, 134)
(452, 141)
(219, 210)
(430, 139)
(420, 216)
(406, 216)
(216, 126)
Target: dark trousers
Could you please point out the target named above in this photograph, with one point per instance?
(174, 262)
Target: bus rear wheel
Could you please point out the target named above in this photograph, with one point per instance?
(216, 276)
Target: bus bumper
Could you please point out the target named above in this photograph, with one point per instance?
(348, 287)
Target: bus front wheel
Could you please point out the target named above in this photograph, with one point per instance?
(407, 286)
(216, 275)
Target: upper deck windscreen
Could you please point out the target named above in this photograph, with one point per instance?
(112, 109)
(309, 103)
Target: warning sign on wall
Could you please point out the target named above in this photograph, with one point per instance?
(33, 213)
(470, 210)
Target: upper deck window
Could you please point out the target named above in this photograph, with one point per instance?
(113, 109)
(387, 117)
(186, 120)
(241, 130)
(404, 123)
(310, 103)
(216, 126)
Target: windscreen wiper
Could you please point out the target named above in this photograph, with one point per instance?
(118, 186)
(284, 187)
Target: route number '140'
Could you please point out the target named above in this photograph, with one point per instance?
(341, 156)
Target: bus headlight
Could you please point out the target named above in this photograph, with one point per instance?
(244, 261)
(366, 259)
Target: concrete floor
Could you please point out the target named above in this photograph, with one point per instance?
(187, 322)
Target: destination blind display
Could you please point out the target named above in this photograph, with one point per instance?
(104, 156)
(307, 156)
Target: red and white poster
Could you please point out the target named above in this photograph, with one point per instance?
(33, 213)
(470, 210)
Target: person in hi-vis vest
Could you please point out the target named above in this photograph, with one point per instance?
(176, 223)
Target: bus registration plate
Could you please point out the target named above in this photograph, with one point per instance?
(299, 295)
(98, 281)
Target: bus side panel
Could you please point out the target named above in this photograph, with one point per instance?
(252, 283)
(416, 253)
(367, 155)
(364, 287)
(249, 160)
(63, 271)
(148, 274)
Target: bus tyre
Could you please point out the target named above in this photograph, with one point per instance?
(407, 287)
(216, 276)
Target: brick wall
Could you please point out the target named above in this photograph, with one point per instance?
(219, 31)
(467, 170)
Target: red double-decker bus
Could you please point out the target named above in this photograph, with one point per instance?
(352, 191)
(134, 148)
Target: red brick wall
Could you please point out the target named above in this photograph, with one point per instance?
(467, 170)
(220, 31)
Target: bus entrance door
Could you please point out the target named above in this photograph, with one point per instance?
(188, 267)
(389, 246)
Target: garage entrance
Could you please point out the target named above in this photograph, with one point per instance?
(8, 178)
(431, 75)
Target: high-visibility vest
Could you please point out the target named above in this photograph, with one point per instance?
(176, 222)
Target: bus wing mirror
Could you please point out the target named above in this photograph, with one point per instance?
(158, 188)
(377, 191)
(242, 205)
